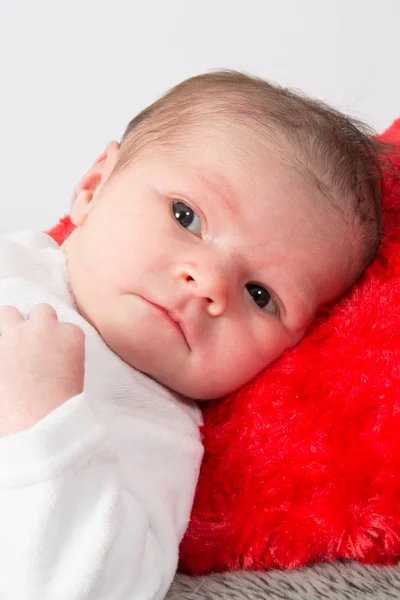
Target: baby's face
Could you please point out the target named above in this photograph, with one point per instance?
(200, 268)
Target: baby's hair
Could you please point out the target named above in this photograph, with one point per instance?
(337, 154)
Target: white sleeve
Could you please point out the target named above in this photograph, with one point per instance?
(76, 524)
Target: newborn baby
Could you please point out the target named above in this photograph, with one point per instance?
(205, 244)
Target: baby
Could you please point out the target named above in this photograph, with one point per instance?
(205, 244)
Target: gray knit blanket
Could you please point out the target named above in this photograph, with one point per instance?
(336, 581)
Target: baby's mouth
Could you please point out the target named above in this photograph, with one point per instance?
(172, 317)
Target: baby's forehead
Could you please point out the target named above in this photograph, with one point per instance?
(230, 173)
(224, 156)
(257, 200)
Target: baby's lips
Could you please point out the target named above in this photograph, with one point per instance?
(173, 317)
(180, 321)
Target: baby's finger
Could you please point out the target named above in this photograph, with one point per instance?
(9, 317)
(42, 312)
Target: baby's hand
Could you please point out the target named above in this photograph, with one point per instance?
(41, 365)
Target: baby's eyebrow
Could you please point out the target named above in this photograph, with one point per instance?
(218, 186)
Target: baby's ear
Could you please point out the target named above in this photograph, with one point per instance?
(92, 181)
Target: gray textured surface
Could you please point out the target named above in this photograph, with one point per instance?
(336, 581)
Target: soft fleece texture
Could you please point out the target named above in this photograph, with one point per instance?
(303, 463)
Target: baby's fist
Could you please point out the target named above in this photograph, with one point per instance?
(41, 365)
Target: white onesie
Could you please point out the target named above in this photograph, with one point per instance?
(95, 498)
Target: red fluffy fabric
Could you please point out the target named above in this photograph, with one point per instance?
(303, 464)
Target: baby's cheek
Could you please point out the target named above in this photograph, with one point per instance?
(237, 354)
(271, 341)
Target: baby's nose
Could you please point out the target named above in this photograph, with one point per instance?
(208, 282)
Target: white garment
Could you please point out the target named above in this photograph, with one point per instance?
(95, 498)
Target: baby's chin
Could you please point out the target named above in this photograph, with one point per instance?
(183, 379)
(196, 386)
(186, 374)
(191, 386)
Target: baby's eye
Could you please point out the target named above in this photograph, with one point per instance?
(262, 298)
(186, 217)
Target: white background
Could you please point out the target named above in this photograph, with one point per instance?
(74, 72)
